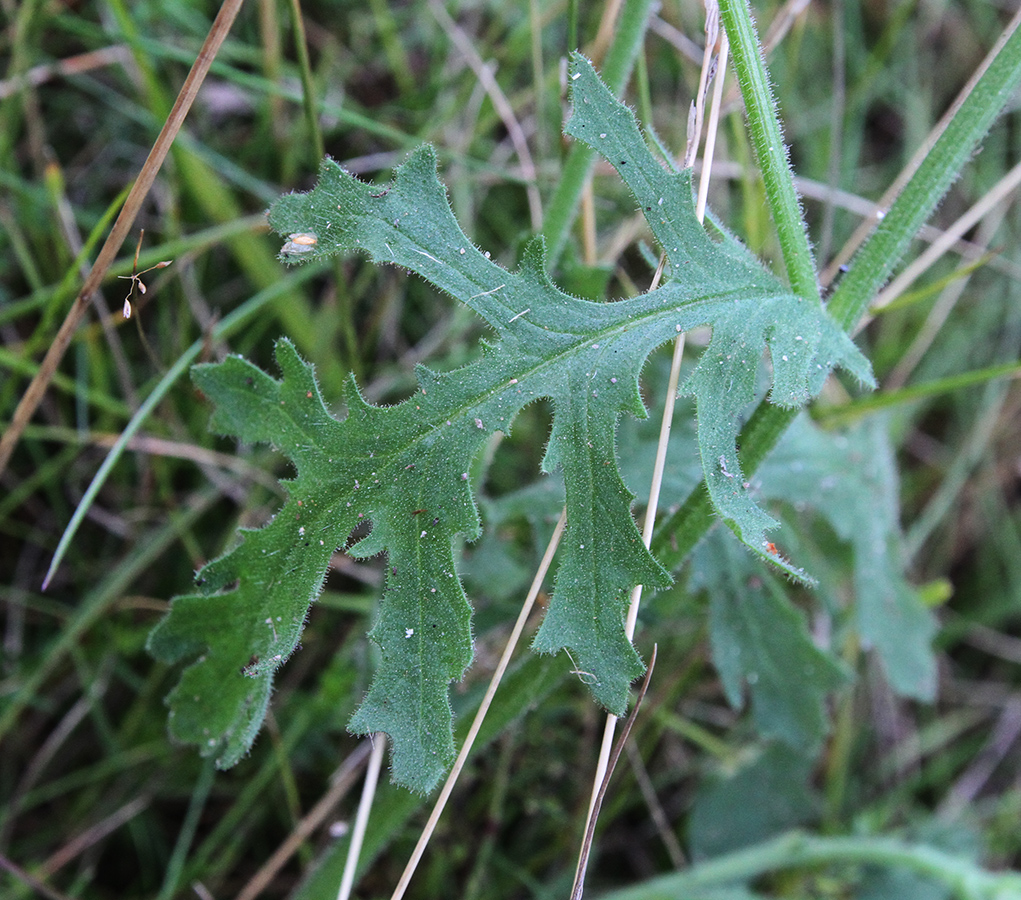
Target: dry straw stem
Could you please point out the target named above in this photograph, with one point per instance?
(71, 65)
(484, 73)
(27, 878)
(494, 683)
(710, 63)
(590, 830)
(948, 239)
(954, 286)
(341, 783)
(34, 394)
(868, 225)
(362, 817)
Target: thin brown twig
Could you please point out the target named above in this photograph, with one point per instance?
(590, 832)
(93, 835)
(343, 780)
(34, 393)
(656, 811)
(29, 879)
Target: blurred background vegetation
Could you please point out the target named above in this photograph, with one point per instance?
(94, 800)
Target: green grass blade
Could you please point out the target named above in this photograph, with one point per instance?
(620, 59)
(224, 328)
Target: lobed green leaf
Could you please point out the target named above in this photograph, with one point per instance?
(404, 469)
(761, 640)
(850, 479)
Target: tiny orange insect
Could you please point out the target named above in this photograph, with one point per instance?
(771, 548)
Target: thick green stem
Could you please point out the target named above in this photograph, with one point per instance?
(679, 533)
(770, 149)
(964, 878)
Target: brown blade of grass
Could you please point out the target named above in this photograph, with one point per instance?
(586, 845)
(37, 388)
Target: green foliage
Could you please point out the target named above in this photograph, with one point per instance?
(850, 480)
(760, 639)
(773, 791)
(96, 803)
(405, 468)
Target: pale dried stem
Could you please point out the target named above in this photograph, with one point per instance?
(605, 33)
(341, 782)
(782, 23)
(37, 387)
(590, 830)
(93, 835)
(30, 880)
(47, 751)
(712, 31)
(607, 23)
(942, 308)
(809, 189)
(71, 65)
(883, 204)
(362, 816)
(948, 239)
(656, 811)
(494, 683)
(484, 72)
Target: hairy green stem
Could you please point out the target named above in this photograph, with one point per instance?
(770, 149)
(964, 878)
(679, 533)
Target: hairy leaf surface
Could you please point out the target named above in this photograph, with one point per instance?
(851, 480)
(759, 638)
(405, 468)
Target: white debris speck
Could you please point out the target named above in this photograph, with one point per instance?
(300, 243)
(408, 632)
